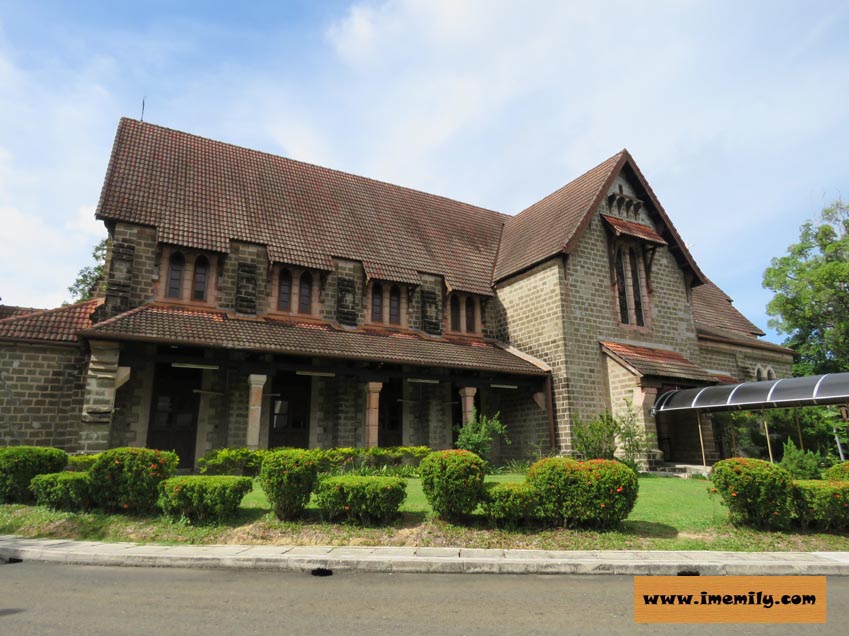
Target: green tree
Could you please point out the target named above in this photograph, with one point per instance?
(811, 285)
(90, 277)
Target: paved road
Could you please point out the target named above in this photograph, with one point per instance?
(46, 599)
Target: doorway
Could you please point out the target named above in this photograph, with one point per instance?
(290, 411)
(174, 412)
(390, 415)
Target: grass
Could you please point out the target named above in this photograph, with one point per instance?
(671, 514)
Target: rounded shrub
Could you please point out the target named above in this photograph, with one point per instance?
(511, 504)
(366, 500)
(838, 472)
(452, 481)
(288, 478)
(756, 493)
(203, 498)
(822, 504)
(70, 491)
(19, 464)
(127, 479)
(598, 493)
(231, 461)
(81, 463)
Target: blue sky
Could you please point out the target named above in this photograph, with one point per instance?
(737, 113)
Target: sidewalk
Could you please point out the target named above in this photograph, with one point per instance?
(422, 560)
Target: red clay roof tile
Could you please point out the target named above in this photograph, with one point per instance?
(657, 362)
(712, 307)
(631, 228)
(53, 325)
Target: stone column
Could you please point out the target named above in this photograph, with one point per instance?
(99, 399)
(467, 402)
(372, 412)
(257, 382)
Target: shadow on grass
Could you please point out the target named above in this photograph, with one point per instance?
(649, 529)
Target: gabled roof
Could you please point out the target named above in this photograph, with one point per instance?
(51, 325)
(553, 225)
(202, 193)
(8, 311)
(183, 326)
(712, 307)
(649, 361)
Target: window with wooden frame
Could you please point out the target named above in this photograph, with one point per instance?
(395, 305)
(470, 315)
(629, 283)
(284, 290)
(455, 312)
(176, 265)
(377, 302)
(200, 278)
(305, 294)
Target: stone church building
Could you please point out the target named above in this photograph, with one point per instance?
(253, 300)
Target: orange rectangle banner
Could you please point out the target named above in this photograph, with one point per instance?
(729, 599)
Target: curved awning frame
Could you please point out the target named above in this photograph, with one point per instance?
(816, 390)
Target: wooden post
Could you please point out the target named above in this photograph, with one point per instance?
(701, 438)
(768, 443)
(798, 428)
(372, 413)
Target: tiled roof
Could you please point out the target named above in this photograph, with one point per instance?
(712, 307)
(545, 228)
(631, 228)
(724, 378)
(740, 339)
(202, 193)
(171, 325)
(53, 325)
(657, 362)
(8, 311)
(391, 273)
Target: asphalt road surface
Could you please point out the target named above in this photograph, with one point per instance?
(46, 599)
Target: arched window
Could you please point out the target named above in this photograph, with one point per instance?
(395, 305)
(620, 288)
(305, 294)
(176, 264)
(284, 290)
(635, 286)
(470, 315)
(770, 374)
(759, 374)
(377, 302)
(200, 278)
(455, 312)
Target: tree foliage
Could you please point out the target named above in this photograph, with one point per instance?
(811, 285)
(89, 278)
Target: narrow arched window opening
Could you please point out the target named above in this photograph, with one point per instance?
(395, 305)
(284, 290)
(200, 278)
(470, 315)
(620, 288)
(377, 302)
(176, 264)
(305, 294)
(455, 313)
(635, 285)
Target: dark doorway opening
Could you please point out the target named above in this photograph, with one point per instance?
(174, 412)
(390, 420)
(290, 411)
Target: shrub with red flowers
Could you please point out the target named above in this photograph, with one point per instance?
(598, 493)
(364, 500)
(756, 493)
(838, 472)
(452, 481)
(203, 498)
(127, 479)
(19, 464)
(822, 504)
(288, 478)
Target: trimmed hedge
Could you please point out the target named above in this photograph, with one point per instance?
(365, 500)
(81, 463)
(70, 491)
(755, 492)
(288, 477)
(452, 481)
(838, 472)
(19, 464)
(126, 479)
(511, 504)
(822, 504)
(598, 493)
(203, 498)
(232, 461)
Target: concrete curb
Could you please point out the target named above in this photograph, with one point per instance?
(423, 560)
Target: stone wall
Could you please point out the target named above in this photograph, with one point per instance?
(742, 362)
(253, 256)
(144, 265)
(525, 419)
(235, 408)
(132, 409)
(41, 395)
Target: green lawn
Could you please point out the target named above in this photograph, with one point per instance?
(671, 514)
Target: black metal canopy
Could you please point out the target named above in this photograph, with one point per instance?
(815, 390)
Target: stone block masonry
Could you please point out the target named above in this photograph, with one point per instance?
(41, 395)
